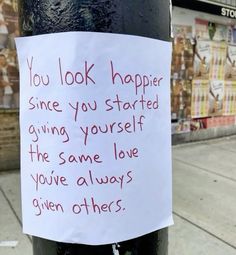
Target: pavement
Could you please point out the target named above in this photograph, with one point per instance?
(204, 202)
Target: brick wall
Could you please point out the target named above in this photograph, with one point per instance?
(9, 140)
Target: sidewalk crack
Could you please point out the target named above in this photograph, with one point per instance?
(205, 169)
(205, 230)
(13, 210)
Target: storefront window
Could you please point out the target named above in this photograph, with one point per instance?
(203, 79)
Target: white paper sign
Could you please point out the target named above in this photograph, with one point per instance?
(95, 136)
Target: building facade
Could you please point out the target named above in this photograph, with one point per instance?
(9, 86)
(203, 72)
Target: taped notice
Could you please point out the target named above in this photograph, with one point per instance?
(95, 136)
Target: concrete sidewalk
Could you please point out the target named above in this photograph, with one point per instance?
(204, 198)
(204, 202)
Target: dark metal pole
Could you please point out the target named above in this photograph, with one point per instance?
(149, 18)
